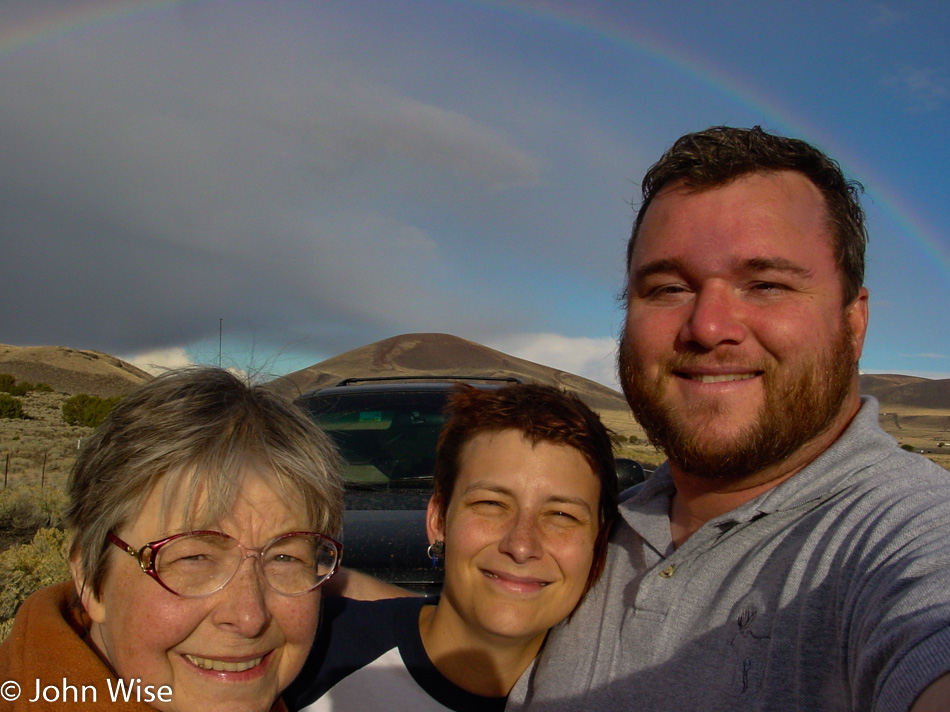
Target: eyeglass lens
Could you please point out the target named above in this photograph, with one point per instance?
(200, 564)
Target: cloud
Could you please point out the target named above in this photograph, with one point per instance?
(884, 16)
(159, 360)
(588, 357)
(925, 355)
(925, 88)
(260, 185)
(375, 122)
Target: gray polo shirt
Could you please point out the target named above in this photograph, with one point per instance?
(829, 592)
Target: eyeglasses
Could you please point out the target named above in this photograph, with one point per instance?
(197, 564)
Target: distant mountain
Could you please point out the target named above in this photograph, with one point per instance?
(75, 371)
(70, 370)
(440, 355)
(907, 391)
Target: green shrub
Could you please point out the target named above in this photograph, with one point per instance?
(88, 410)
(24, 568)
(11, 407)
(9, 385)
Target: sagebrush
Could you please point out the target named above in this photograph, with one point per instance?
(88, 410)
(24, 568)
(31, 507)
(11, 407)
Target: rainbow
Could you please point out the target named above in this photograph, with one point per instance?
(593, 22)
(66, 19)
(76, 16)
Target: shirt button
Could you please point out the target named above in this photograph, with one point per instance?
(668, 571)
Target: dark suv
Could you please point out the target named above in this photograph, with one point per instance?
(387, 430)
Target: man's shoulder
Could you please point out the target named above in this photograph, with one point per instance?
(864, 461)
(898, 470)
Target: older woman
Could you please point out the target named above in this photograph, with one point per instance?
(202, 514)
(525, 493)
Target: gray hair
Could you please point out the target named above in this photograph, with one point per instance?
(197, 429)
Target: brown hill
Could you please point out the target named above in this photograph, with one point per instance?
(447, 355)
(71, 371)
(907, 392)
(440, 355)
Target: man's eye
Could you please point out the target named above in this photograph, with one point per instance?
(662, 291)
(769, 287)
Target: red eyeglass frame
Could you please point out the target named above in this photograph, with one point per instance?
(149, 552)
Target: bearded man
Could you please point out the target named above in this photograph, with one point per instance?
(788, 555)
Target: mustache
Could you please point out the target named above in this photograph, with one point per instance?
(683, 360)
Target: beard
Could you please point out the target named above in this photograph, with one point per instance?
(801, 402)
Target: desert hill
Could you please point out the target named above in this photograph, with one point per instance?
(440, 355)
(447, 355)
(916, 411)
(71, 371)
(907, 392)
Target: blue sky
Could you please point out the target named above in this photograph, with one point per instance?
(317, 175)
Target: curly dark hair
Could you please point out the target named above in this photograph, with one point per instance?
(720, 154)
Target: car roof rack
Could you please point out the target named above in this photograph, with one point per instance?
(351, 381)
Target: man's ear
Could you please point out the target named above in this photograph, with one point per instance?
(435, 524)
(857, 315)
(87, 596)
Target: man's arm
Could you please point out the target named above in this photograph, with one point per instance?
(936, 698)
(353, 584)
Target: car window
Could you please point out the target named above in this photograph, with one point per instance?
(388, 440)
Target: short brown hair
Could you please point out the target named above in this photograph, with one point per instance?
(199, 427)
(542, 414)
(720, 154)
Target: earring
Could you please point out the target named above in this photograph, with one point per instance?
(435, 552)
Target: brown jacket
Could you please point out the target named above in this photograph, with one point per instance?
(47, 644)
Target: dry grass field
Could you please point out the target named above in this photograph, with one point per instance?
(41, 449)
(924, 429)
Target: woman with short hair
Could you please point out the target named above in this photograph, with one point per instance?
(525, 494)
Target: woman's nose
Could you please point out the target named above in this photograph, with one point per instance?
(242, 605)
(522, 541)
